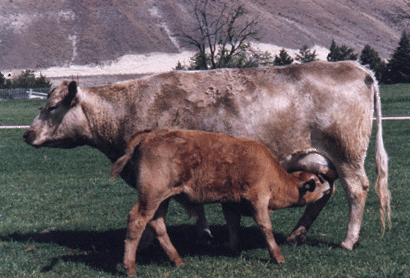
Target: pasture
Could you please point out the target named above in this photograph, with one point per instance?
(61, 216)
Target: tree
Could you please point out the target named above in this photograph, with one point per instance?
(2, 81)
(370, 57)
(179, 66)
(398, 68)
(305, 55)
(247, 57)
(283, 58)
(220, 35)
(42, 82)
(340, 53)
(27, 80)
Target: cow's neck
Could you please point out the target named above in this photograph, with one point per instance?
(108, 126)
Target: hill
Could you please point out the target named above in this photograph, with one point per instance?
(44, 33)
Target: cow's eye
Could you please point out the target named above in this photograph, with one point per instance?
(52, 108)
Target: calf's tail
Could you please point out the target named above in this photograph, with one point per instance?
(381, 164)
(133, 143)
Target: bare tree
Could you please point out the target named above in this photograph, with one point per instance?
(221, 31)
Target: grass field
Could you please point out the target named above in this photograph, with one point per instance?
(61, 216)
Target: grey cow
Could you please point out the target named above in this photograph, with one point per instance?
(319, 107)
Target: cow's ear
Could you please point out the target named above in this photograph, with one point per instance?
(72, 91)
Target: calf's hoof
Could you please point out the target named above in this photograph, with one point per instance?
(297, 237)
(178, 262)
(205, 238)
(279, 260)
(235, 252)
(131, 272)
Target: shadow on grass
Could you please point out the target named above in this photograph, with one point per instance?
(104, 250)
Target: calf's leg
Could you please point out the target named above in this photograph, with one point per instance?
(203, 230)
(160, 230)
(261, 216)
(138, 218)
(233, 221)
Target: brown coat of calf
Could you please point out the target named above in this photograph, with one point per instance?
(196, 167)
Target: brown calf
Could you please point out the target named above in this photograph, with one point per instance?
(196, 167)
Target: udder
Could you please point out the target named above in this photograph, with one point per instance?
(310, 160)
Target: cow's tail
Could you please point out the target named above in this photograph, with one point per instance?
(381, 164)
(133, 143)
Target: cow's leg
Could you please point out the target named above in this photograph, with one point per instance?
(356, 185)
(261, 216)
(233, 221)
(309, 216)
(160, 230)
(203, 230)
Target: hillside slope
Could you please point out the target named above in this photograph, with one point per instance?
(44, 33)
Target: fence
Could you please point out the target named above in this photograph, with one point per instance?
(23, 93)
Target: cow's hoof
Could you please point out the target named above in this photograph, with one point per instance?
(346, 245)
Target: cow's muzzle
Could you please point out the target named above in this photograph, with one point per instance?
(29, 136)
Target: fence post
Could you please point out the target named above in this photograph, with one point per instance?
(29, 94)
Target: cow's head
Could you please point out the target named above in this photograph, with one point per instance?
(311, 187)
(61, 123)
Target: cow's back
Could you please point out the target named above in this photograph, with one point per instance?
(316, 105)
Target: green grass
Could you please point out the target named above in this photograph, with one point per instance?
(61, 216)
(19, 112)
(395, 99)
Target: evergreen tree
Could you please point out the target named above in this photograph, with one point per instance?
(305, 55)
(179, 66)
(25, 80)
(370, 57)
(341, 53)
(334, 52)
(398, 68)
(42, 82)
(2, 81)
(283, 59)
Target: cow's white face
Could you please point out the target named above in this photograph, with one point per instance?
(61, 122)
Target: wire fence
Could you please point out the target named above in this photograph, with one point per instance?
(22, 93)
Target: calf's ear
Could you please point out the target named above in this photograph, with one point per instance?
(72, 91)
(309, 185)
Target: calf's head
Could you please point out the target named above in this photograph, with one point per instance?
(61, 122)
(311, 187)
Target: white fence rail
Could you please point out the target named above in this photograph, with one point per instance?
(38, 93)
